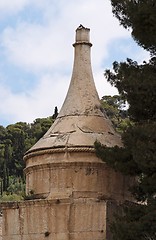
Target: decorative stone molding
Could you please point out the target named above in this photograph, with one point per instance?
(58, 150)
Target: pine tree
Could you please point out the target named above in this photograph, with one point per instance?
(136, 84)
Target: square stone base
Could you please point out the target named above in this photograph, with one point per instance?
(82, 219)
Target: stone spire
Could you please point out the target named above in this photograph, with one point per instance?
(81, 120)
(82, 97)
(73, 193)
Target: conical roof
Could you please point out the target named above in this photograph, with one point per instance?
(81, 120)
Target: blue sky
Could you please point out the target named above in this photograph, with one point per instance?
(36, 53)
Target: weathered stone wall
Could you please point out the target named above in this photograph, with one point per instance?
(93, 177)
(64, 219)
(77, 188)
(0, 228)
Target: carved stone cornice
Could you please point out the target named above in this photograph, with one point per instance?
(58, 150)
(89, 166)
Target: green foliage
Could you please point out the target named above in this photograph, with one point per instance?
(136, 84)
(40, 126)
(116, 109)
(137, 223)
(140, 17)
(54, 116)
(136, 158)
(16, 185)
(15, 140)
(10, 197)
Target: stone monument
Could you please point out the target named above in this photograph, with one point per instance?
(73, 194)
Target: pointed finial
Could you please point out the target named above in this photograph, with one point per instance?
(82, 36)
(82, 27)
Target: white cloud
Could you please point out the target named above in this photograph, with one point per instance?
(35, 104)
(47, 47)
(33, 47)
(13, 6)
(41, 101)
(37, 47)
(103, 87)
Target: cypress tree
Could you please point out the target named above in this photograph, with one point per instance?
(136, 84)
